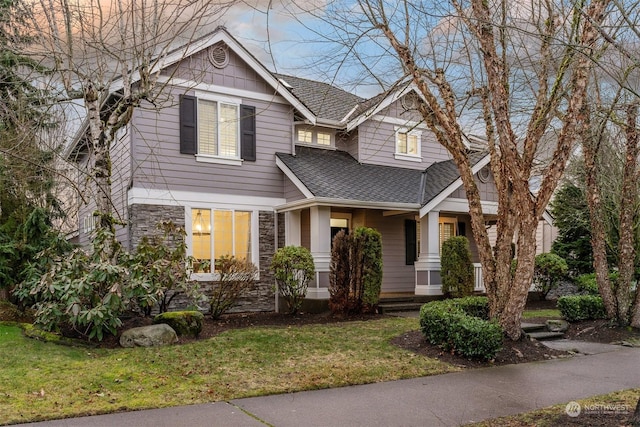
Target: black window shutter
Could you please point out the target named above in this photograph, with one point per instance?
(411, 241)
(248, 133)
(188, 120)
(462, 229)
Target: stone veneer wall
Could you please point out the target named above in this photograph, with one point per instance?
(261, 298)
(281, 232)
(144, 219)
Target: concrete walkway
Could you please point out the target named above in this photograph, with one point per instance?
(441, 400)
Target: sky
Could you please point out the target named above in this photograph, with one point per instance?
(290, 41)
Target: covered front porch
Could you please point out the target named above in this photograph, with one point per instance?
(410, 243)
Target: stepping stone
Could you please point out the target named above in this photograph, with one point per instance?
(533, 327)
(541, 336)
(581, 347)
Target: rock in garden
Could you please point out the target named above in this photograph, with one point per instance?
(149, 336)
(557, 325)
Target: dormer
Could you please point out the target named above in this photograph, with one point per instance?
(315, 136)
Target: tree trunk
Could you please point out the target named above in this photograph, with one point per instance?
(591, 148)
(626, 247)
(511, 316)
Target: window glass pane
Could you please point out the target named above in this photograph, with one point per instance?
(339, 222)
(201, 230)
(228, 130)
(412, 144)
(401, 143)
(222, 233)
(305, 136)
(207, 127)
(447, 230)
(324, 138)
(242, 235)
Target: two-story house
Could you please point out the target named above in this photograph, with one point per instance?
(249, 161)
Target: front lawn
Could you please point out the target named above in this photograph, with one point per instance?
(43, 381)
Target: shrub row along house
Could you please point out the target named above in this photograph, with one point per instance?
(248, 161)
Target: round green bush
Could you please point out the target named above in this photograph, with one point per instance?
(293, 268)
(460, 324)
(548, 271)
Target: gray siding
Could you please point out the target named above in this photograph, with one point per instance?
(120, 178)
(488, 191)
(377, 143)
(348, 143)
(159, 164)
(237, 74)
(291, 192)
(397, 276)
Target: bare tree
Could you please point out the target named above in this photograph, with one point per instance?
(107, 55)
(524, 67)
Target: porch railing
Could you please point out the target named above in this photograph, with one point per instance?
(478, 281)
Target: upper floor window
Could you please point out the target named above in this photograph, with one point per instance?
(217, 130)
(314, 137)
(408, 143)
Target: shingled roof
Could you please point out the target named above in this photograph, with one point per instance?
(440, 175)
(325, 101)
(337, 175)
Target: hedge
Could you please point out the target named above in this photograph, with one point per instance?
(461, 325)
(581, 307)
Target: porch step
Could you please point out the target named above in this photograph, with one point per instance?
(390, 307)
(533, 327)
(545, 335)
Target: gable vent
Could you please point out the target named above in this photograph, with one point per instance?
(410, 101)
(219, 56)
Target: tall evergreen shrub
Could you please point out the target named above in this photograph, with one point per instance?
(355, 277)
(456, 267)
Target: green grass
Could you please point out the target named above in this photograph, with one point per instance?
(44, 381)
(552, 416)
(549, 312)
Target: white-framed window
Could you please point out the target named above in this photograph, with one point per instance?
(408, 144)
(219, 232)
(311, 136)
(448, 228)
(89, 223)
(218, 129)
(305, 136)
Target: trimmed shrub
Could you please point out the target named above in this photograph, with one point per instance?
(183, 322)
(369, 263)
(340, 274)
(355, 277)
(453, 325)
(581, 307)
(548, 271)
(456, 267)
(474, 306)
(293, 268)
(236, 278)
(587, 283)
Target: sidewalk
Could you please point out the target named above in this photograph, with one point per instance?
(441, 400)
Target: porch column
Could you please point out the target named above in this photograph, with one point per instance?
(320, 224)
(428, 281)
(292, 231)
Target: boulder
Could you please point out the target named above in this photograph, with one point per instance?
(149, 336)
(557, 325)
(183, 322)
